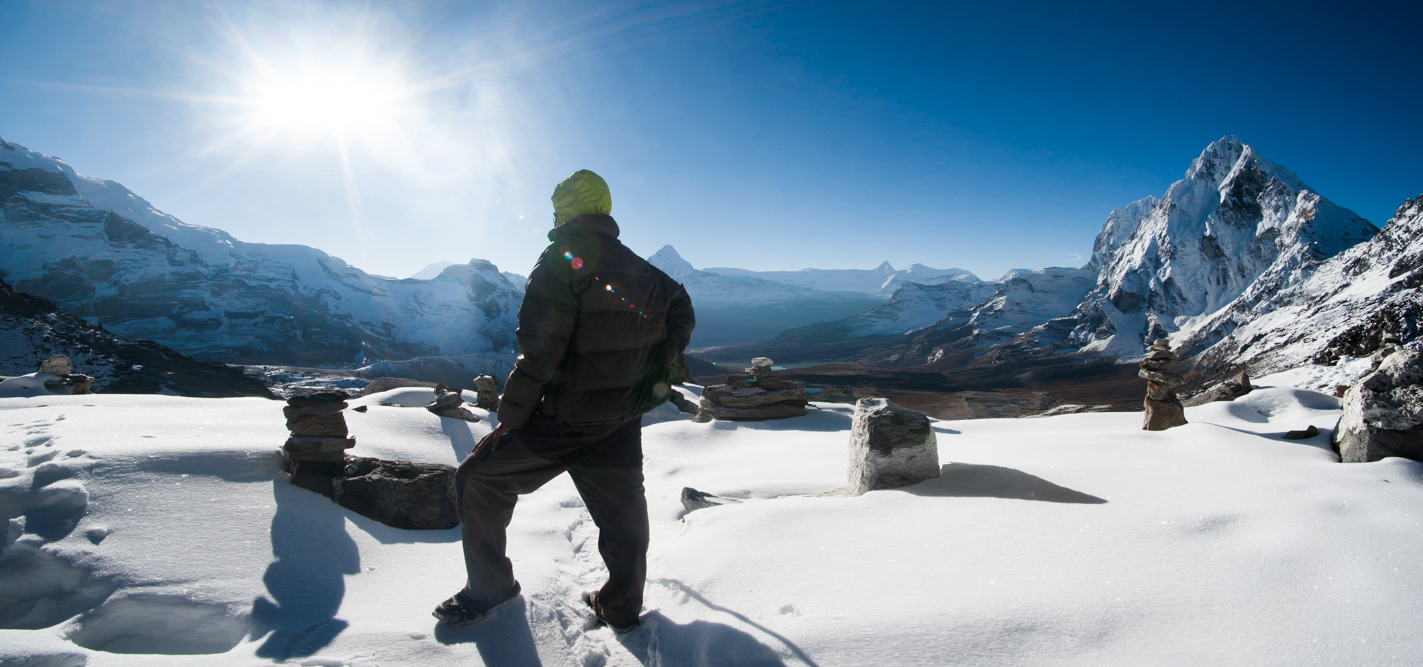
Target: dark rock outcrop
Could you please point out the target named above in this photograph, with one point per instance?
(400, 494)
(1232, 388)
(32, 329)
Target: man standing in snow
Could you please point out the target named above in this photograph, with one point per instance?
(599, 331)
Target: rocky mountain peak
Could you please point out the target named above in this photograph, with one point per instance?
(672, 263)
(1232, 218)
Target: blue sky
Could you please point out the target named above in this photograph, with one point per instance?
(985, 136)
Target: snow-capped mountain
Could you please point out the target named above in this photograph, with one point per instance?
(1022, 302)
(1165, 265)
(1353, 304)
(32, 329)
(881, 281)
(103, 253)
(926, 324)
(737, 308)
(431, 270)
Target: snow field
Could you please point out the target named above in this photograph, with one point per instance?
(159, 528)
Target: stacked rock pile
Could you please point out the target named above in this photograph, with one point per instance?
(757, 395)
(450, 403)
(1163, 408)
(487, 392)
(319, 439)
(413, 496)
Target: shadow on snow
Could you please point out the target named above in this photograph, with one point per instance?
(972, 480)
(306, 582)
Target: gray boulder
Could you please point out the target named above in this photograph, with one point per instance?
(487, 392)
(1383, 412)
(400, 494)
(57, 365)
(693, 500)
(890, 447)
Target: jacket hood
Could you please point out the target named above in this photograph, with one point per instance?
(580, 194)
(592, 223)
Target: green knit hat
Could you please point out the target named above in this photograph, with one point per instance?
(580, 194)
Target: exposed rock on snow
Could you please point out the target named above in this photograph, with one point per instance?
(450, 404)
(1232, 388)
(693, 500)
(401, 494)
(57, 365)
(486, 392)
(890, 447)
(759, 395)
(1383, 413)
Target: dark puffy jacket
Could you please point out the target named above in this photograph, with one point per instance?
(599, 331)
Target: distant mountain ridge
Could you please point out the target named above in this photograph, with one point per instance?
(737, 308)
(103, 253)
(882, 280)
(32, 329)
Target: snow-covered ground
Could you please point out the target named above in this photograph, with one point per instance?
(1074, 539)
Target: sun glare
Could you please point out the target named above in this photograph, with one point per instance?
(338, 101)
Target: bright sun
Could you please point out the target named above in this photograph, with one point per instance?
(336, 101)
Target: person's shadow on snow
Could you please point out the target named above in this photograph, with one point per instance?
(704, 642)
(660, 641)
(306, 582)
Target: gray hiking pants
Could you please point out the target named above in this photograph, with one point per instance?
(606, 466)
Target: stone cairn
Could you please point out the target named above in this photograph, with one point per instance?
(1163, 408)
(759, 394)
(890, 446)
(450, 403)
(487, 393)
(412, 496)
(319, 439)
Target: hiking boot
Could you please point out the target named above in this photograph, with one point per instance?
(591, 599)
(460, 610)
